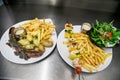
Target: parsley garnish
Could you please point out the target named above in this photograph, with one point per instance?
(78, 53)
(36, 36)
(31, 42)
(69, 31)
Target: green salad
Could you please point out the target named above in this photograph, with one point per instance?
(105, 34)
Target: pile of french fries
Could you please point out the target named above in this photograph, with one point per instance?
(41, 27)
(38, 34)
(90, 55)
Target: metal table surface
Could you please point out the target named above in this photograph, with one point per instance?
(53, 67)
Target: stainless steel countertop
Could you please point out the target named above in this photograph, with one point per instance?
(53, 67)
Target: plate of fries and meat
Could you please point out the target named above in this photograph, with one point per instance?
(29, 41)
(77, 50)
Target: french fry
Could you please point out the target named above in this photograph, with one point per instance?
(96, 61)
(108, 55)
(86, 60)
(87, 68)
(92, 60)
(42, 32)
(46, 37)
(90, 66)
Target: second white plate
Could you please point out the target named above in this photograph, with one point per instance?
(64, 53)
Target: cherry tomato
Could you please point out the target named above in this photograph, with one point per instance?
(78, 70)
(109, 35)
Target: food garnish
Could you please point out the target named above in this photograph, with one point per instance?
(68, 30)
(83, 52)
(31, 38)
(105, 34)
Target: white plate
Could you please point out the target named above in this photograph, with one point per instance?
(64, 53)
(8, 52)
